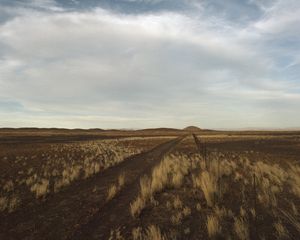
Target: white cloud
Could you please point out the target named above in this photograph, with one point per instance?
(103, 69)
(282, 17)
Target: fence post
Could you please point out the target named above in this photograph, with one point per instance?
(219, 179)
(254, 203)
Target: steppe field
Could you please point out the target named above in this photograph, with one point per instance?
(153, 184)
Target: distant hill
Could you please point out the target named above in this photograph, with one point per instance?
(192, 129)
(159, 129)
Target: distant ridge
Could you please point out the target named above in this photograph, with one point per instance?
(159, 129)
(192, 129)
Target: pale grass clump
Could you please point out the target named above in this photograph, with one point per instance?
(208, 178)
(9, 203)
(137, 206)
(170, 172)
(181, 212)
(219, 166)
(177, 218)
(186, 211)
(169, 205)
(227, 167)
(139, 203)
(115, 188)
(241, 228)
(177, 179)
(3, 203)
(198, 207)
(253, 212)
(177, 202)
(180, 169)
(267, 199)
(291, 219)
(280, 230)
(267, 192)
(242, 212)
(90, 167)
(294, 209)
(146, 187)
(8, 186)
(64, 164)
(13, 204)
(137, 233)
(274, 172)
(294, 174)
(160, 176)
(272, 179)
(222, 212)
(187, 231)
(238, 176)
(121, 180)
(208, 185)
(153, 233)
(112, 191)
(40, 188)
(202, 165)
(31, 179)
(213, 226)
(69, 174)
(116, 235)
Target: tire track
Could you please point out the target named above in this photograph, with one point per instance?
(66, 212)
(116, 213)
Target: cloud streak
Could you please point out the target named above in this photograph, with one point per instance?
(98, 67)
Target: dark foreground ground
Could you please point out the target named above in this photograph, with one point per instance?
(151, 184)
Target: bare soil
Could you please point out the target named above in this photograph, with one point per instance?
(79, 207)
(81, 211)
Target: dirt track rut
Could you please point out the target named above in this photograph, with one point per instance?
(81, 210)
(116, 213)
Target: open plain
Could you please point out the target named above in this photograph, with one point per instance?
(149, 184)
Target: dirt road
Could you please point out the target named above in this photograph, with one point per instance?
(81, 211)
(115, 214)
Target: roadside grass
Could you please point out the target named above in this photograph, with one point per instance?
(231, 192)
(38, 171)
(115, 188)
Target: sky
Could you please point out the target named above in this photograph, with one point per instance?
(150, 63)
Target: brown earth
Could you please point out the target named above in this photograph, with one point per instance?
(81, 211)
(79, 206)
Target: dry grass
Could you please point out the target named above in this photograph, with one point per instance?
(112, 191)
(224, 217)
(61, 165)
(177, 202)
(241, 228)
(280, 230)
(137, 233)
(186, 211)
(213, 226)
(176, 218)
(208, 185)
(137, 206)
(153, 233)
(169, 173)
(115, 188)
(3, 203)
(9, 203)
(223, 212)
(116, 235)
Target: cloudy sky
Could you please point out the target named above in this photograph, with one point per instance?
(150, 63)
